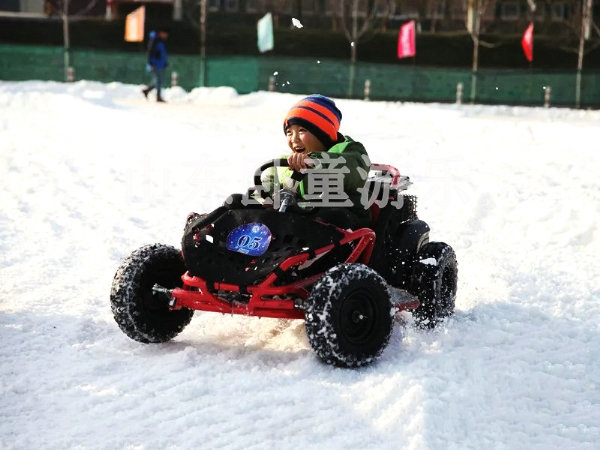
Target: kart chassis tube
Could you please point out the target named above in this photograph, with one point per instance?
(195, 293)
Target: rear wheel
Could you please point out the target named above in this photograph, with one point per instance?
(434, 282)
(142, 314)
(349, 319)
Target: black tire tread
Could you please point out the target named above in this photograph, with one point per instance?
(324, 304)
(128, 287)
(426, 283)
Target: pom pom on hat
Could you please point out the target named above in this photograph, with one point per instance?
(319, 115)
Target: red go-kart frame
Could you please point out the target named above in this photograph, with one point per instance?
(265, 298)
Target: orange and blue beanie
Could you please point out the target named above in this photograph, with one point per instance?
(319, 115)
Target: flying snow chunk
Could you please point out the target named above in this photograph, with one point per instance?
(429, 261)
(296, 23)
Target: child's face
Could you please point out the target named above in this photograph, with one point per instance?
(300, 140)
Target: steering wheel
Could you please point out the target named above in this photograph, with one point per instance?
(288, 197)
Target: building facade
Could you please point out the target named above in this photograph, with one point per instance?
(497, 16)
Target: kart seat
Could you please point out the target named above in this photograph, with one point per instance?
(383, 185)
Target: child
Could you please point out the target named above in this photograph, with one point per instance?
(318, 149)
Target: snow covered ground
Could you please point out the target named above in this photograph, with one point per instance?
(89, 172)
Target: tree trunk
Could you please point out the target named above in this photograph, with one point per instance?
(354, 30)
(66, 38)
(202, 80)
(475, 36)
(586, 11)
(335, 11)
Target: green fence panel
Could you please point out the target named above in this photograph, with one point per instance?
(305, 75)
(590, 90)
(109, 66)
(131, 67)
(529, 88)
(19, 63)
(336, 78)
(240, 73)
(506, 86)
(188, 70)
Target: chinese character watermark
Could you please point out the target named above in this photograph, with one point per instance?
(324, 184)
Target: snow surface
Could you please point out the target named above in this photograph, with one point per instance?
(89, 172)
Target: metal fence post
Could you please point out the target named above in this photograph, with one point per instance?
(174, 79)
(473, 87)
(70, 74)
(367, 89)
(271, 83)
(547, 96)
(459, 93)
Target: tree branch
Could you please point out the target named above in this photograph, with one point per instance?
(489, 44)
(368, 20)
(344, 22)
(88, 8)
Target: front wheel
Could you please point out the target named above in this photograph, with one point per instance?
(349, 318)
(142, 314)
(434, 281)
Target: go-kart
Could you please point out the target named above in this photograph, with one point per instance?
(284, 262)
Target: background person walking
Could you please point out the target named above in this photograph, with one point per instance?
(157, 60)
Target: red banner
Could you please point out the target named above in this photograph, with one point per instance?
(406, 40)
(527, 42)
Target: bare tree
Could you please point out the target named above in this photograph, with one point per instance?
(430, 9)
(356, 17)
(62, 7)
(581, 28)
(388, 8)
(475, 14)
(356, 21)
(195, 13)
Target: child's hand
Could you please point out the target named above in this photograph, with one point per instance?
(299, 161)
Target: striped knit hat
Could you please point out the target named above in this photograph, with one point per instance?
(319, 115)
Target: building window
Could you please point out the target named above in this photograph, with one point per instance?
(232, 5)
(288, 7)
(558, 11)
(540, 13)
(251, 6)
(438, 11)
(385, 9)
(457, 11)
(308, 6)
(509, 11)
(213, 5)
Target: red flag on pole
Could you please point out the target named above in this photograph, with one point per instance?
(406, 40)
(527, 42)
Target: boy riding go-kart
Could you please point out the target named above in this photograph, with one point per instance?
(279, 257)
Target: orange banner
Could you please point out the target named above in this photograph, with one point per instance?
(134, 25)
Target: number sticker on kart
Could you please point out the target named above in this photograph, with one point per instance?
(250, 239)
